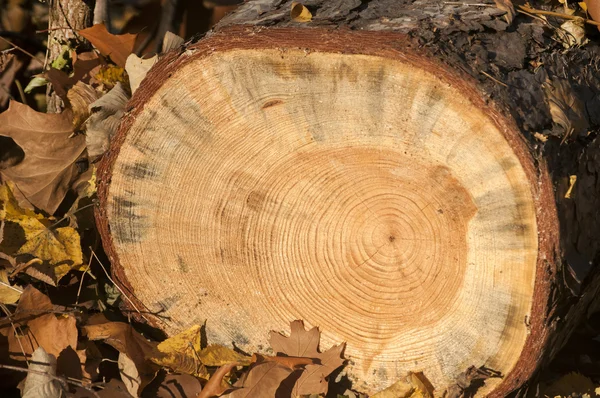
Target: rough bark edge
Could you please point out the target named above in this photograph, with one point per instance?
(387, 45)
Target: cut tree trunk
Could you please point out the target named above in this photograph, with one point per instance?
(398, 173)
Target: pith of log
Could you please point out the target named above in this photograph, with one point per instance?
(375, 172)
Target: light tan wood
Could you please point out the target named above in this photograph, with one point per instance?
(360, 194)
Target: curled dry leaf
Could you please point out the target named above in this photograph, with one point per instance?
(9, 66)
(299, 13)
(566, 108)
(80, 97)
(48, 168)
(129, 342)
(137, 68)
(508, 7)
(40, 382)
(29, 235)
(9, 294)
(117, 47)
(102, 125)
(180, 353)
(129, 374)
(572, 33)
(216, 386)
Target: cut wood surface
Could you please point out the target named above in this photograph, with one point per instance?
(371, 182)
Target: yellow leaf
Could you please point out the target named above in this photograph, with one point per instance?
(33, 235)
(180, 353)
(570, 384)
(8, 294)
(217, 355)
(299, 13)
(110, 75)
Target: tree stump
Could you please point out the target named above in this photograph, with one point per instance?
(374, 172)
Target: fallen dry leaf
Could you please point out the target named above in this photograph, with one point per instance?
(314, 378)
(290, 362)
(300, 343)
(127, 341)
(303, 343)
(85, 67)
(171, 41)
(180, 353)
(9, 66)
(593, 8)
(9, 294)
(42, 385)
(117, 47)
(80, 96)
(217, 355)
(214, 387)
(571, 384)
(28, 234)
(263, 380)
(400, 389)
(43, 329)
(44, 175)
(129, 374)
(508, 7)
(173, 386)
(105, 117)
(566, 108)
(137, 68)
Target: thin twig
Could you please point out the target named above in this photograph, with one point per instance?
(20, 49)
(14, 328)
(21, 92)
(95, 202)
(460, 3)
(81, 281)
(526, 9)
(493, 78)
(117, 286)
(8, 285)
(62, 380)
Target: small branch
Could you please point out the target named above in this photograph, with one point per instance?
(21, 92)
(117, 286)
(14, 328)
(529, 10)
(493, 78)
(21, 49)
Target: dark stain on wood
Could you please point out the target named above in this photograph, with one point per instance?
(128, 226)
(140, 171)
(183, 267)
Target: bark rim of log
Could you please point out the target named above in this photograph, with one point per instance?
(387, 45)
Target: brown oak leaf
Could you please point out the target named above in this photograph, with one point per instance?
(265, 380)
(47, 169)
(117, 47)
